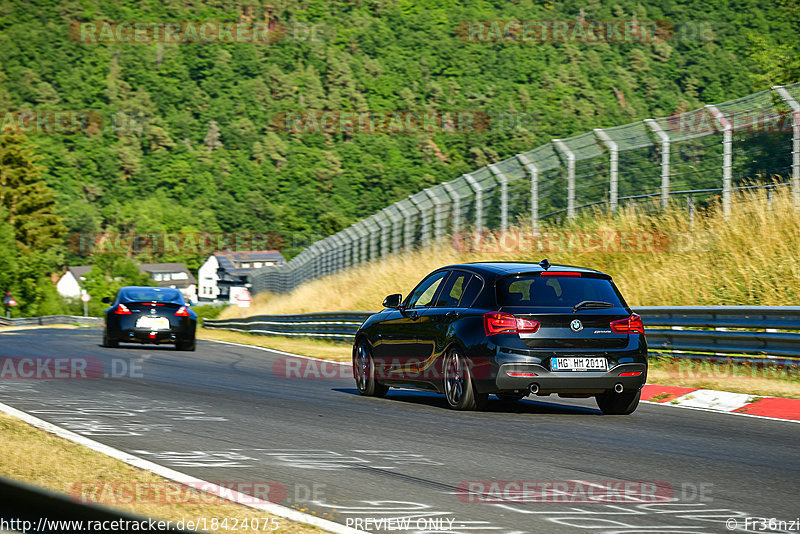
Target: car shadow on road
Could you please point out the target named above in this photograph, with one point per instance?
(135, 346)
(524, 406)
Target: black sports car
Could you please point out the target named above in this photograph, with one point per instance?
(508, 329)
(149, 315)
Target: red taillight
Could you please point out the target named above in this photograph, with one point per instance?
(559, 273)
(516, 373)
(504, 323)
(629, 325)
(122, 310)
(631, 373)
(182, 312)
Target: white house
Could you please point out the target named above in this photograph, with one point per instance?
(174, 275)
(71, 282)
(223, 271)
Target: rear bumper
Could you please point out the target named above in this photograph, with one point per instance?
(570, 382)
(148, 336)
(630, 359)
(181, 330)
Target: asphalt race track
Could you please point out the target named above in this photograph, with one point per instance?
(222, 414)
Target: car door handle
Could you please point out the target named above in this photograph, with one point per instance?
(452, 313)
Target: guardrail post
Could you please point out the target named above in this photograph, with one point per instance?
(533, 170)
(727, 142)
(478, 202)
(613, 164)
(562, 147)
(503, 195)
(662, 135)
(451, 192)
(789, 99)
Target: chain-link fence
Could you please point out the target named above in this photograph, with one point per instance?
(713, 150)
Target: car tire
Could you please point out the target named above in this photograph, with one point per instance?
(364, 372)
(109, 343)
(459, 389)
(185, 345)
(624, 403)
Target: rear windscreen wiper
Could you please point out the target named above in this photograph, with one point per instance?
(591, 304)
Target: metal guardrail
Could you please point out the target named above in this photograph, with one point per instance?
(680, 331)
(331, 325)
(50, 319)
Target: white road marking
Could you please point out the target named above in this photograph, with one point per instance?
(182, 478)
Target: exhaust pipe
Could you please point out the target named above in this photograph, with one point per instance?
(618, 388)
(534, 388)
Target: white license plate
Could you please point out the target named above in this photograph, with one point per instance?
(152, 323)
(578, 364)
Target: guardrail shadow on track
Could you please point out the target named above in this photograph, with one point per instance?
(49, 512)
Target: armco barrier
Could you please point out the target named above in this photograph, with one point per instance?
(681, 331)
(332, 325)
(50, 319)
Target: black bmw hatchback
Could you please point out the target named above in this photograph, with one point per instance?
(149, 315)
(508, 329)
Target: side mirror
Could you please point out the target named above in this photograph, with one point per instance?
(393, 301)
(106, 300)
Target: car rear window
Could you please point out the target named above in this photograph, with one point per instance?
(555, 291)
(151, 294)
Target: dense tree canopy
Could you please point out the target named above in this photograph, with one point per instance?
(182, 136)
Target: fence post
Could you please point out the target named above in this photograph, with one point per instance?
(406, 226)
(613, 150)
(362, 230)
(503, 195)
(789, 99)
(353, 252)
(425, 228)
(438, 215)
(570, 176)
(478, 202)
(690, 206)
(387, 229)
(533, 170)
(451, 192)
(662, 135)
(727, 142)
(339, 246)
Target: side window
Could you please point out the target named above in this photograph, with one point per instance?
(426, 290)
(452, 290)
(473, 287)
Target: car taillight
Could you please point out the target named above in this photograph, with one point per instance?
(631, 373)
(182, 312)
(629, 325)
(122, 310)
(560, 273)
(504, 323)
